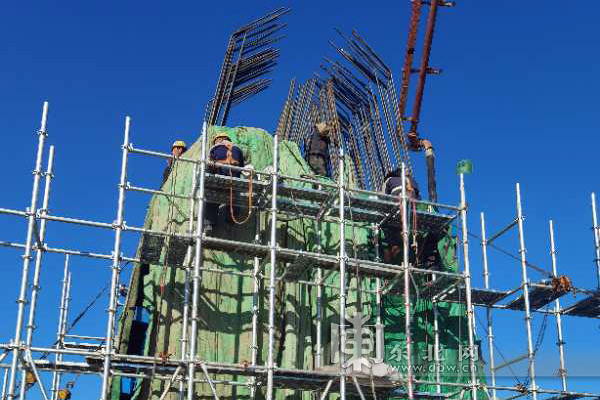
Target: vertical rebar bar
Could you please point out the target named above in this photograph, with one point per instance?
(467, 277)
(196, 278)
(59, 331)
(273, 260)
(562, 372)
(116, 265)
(186, 286)
(342, 259)
(490, 331)
(35, 287)
(31, 220)
(596, 238)
(525, 284)
(405, 264)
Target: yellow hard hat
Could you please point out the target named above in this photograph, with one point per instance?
(221, 135)
(64, 394)
(179, 143)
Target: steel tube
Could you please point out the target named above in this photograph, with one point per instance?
(186, 287)
(410, 51)
(405, 256)
(562, 372)
(319, 316)
(502, 231)
(467, 275)
(13, 212)
(596, 238)
(424, 65)
(525, 282)
(273, 260)
(197, 277)
(342, 259)
(486, 282)
(22, 300)
(255, 302)
(39, 252)
(116, 266)
(59, 332)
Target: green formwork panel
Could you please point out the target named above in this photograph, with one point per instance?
(226, 300)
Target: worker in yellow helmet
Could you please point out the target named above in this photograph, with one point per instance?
(177, 149)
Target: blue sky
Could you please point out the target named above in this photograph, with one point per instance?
(517, 96)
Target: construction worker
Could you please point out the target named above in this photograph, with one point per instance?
(318, 152)
(392, 185)
(224, 152)
(177, 149)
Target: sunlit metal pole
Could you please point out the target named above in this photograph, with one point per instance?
(273, 261)
(562, 372)
(116, 266)
(35, 287)
(490, 331)
(342, 259)
(525, 284)
(405, 264)
(467, 276)
(596, 238)
(31, 221)
(197, 274)
(59, 333)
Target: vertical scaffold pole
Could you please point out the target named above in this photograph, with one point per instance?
(273, 260)
(405, 264)
(186, 286)
(35, 287)
(116, 265)
(490, 331)
(60, 331)
(525, 284)
(255, 302)
(196, 278)
(31, 220)
(319, 316)
(342, 259)
(379, 342)
(562, 372)
(467, 277)
(596, 238)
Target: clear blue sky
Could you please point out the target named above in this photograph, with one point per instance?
(518, 96)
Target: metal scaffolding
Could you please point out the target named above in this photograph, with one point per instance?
(352, 207)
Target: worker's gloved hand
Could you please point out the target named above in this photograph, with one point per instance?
(246, 174)
(413, 141)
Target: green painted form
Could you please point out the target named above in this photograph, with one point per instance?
(226, 300)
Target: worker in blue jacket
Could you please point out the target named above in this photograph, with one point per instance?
(223, 152)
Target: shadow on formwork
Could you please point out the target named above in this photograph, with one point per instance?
(152, 321)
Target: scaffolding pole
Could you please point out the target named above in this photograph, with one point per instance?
(116, 267)
(31, 221)
(525, 284)
(342, 259)
(35, 287)
(60, 332)
(467, 277)
(255, 303)
(185, 318)
(596, 229)
(197, 277)
(490, 329)
(273, 260)
(562, 372)
(407, 317)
